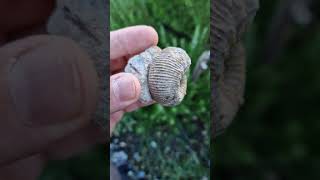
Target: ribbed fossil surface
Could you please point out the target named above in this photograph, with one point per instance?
(162, 74)
(167, 76)
(139, 66)
(86, 23)
(229, 20)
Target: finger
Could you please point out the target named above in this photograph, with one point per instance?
(131, 40)
(27, 169)
(48, 91)
(114, 119)
(118, 65)
(76, 143)
(124, 91)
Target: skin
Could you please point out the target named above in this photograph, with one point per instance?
(26, 148)
(22, 18)
(124, 87)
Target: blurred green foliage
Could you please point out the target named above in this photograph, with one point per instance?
(275, 135)
(185, 128)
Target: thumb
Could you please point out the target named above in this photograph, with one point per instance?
(48, 91)
(124, 91)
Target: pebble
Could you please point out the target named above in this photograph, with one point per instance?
(153, 144)
(119, 158)
(130, 173)
(167, 149)
(115, 140)
(141, 174)
(123, 144)
(136, 157)
(113, 146)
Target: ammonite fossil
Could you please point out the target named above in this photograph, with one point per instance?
(75, 19)
(162, 74)
(229, 20)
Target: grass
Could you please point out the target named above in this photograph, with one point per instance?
(182, 132)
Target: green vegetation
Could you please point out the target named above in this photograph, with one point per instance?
(182, 132)
(173, 142)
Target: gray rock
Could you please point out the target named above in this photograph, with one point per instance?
(162, 74)
(153, 144)
(141, 175)
(119, 158)
(137, 157)
(138, 65)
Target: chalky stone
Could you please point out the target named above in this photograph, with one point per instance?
(162, 74)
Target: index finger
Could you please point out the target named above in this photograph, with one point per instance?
(131, 40)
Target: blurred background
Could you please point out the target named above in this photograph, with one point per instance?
(76, 20)
(159, 142)
(275, 134)
(90, 165)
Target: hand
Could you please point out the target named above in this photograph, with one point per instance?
(48, 90)
(124, 87)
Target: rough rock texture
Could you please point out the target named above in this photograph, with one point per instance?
(162, 74)
(167, 76)
(229, 20)
(86, 23)
(139, 66)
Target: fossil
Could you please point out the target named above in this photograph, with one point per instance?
(162, 74)
(229, 21)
